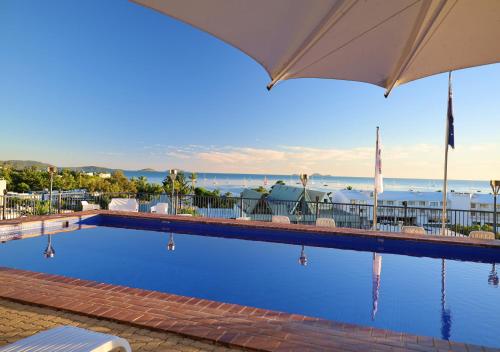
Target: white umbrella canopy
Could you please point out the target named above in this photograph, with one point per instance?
(382, 42)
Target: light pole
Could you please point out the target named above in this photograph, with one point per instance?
(304, 178)
(495, 187)
(171, 243)
(173, 176)
(49, 252)
(51, 170)
(303, 257)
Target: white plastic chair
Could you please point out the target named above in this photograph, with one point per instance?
(280, 219)
(69, 339)
(160, 208)
(325, 222)
(244, 218)
(482, 235)
(414, 230)
(124, 204)
(89, 206)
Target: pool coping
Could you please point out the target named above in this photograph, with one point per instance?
(220, 323)
(311, 229)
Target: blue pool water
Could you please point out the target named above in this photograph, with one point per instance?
(449, 299)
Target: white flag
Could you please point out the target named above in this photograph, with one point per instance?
(379, 179)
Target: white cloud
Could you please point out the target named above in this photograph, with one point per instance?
(418, 160)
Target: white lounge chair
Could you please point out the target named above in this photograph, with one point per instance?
(124, 204)
(325, 222)
(280, 219)
(160, 208)
(69, 339)
(244, 218)
(482, 235)
(413, 229)
(89, 206)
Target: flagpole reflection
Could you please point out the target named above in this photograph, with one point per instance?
(493, 276)
(445, 313)
(376, 273)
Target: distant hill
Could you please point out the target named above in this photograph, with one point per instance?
(148, 170)
(94, 169)
(22, 164)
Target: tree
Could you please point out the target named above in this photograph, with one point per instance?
(280, 182)
(181, 184)
(192, 178)
(262, 190)
(143, 186)
(23, 187)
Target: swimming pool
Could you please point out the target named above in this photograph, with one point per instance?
(363, 282)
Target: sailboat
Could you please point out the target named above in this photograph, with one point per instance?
(265, 180)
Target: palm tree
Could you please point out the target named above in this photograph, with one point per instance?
(192, 178)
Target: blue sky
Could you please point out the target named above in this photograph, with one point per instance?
(112, 83)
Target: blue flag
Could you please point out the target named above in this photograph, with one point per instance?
(451, 128)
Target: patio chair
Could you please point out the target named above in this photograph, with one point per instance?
(160, 208)
(69, 339)
(482, 235)
(89, 206)
(184, 214)
(325, 222)
(124, 204)
(244, 218)
(414, 230)
(280, 219)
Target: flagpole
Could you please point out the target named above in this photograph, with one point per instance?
(375, 190)
(445, 183)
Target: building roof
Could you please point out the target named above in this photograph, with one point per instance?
(411, 196)
(250, 200)
(291, 193)
(353, 194)
(250, 194)
(482, 198)
(282, 192)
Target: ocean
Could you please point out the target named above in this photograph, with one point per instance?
(235, 183)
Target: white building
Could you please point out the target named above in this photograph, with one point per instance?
(396, 207)
(481, 207)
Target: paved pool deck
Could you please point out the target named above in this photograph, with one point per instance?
(212, 322)
(18, 321)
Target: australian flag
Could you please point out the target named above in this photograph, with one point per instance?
(451, 128)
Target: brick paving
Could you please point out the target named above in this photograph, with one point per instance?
(18, 321)
(221, 323)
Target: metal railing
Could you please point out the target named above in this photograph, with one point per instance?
(359, 216)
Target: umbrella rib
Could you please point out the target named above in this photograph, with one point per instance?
(431, 35)
(416, 47)
(357, 36)
(333, 16)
